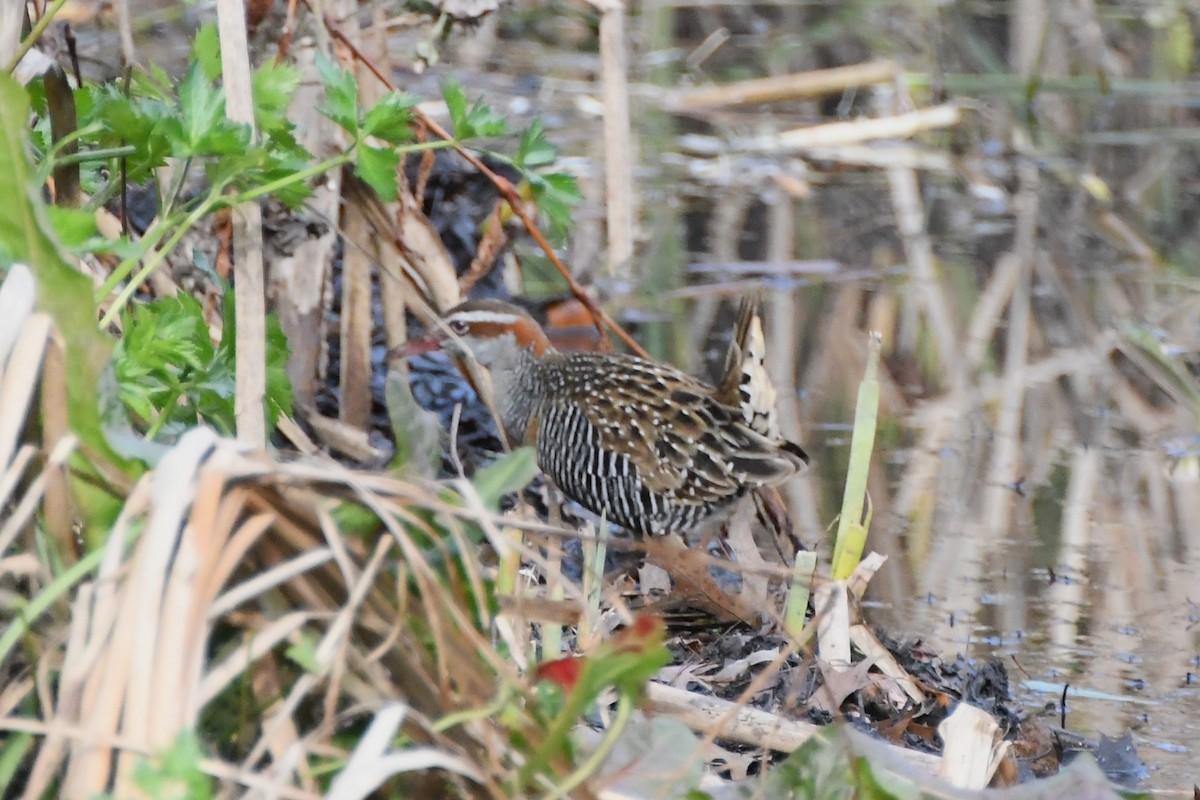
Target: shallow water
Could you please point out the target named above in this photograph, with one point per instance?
(1130, 656)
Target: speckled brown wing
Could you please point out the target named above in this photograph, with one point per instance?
(685, 445)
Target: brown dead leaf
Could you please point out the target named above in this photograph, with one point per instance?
(838, 684)
(894, 730)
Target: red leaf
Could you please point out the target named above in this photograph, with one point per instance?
(564, 671)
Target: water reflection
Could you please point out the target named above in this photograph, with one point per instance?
(1128, 652)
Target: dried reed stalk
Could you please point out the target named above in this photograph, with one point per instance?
(619, 156)
(247, 238)
(777, 88)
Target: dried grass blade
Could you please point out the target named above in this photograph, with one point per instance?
(273, 577)
(371, 763)
(220, 675)
(19, 381)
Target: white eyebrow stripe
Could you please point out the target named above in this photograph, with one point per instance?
(497, 317)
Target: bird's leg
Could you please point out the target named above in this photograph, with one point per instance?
(776, 523)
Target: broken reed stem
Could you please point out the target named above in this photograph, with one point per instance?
(852, 529)
(797, 602)
(833, 134)
(595, 551)
(552, 633)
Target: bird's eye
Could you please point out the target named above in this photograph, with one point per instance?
(458, 326)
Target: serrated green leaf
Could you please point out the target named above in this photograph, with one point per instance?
(154, 83)
(471, 123)
(206, 50)
(273, 85)
(555, 193)
(341, 95)
(202, 109)
(535, 150)
(456, 104)
(140, 122)
(507, 474)
(377, 166)
(391, 118)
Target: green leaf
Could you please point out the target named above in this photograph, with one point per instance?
(851, 536)
(273, 85)
(304, 653)
(202, 107)
(341, 95)
(554, 194)
(479, 121)
(167, 369)
(73, 226)
(279, 397)
(206, 50)
(62, 291)
(417, 431)
(354, 519)
(176, 774)
(508, 474)
(535, 150)
(456, 104)
(819, 769)
(259, 165)
(141, 123)
(200, 127)
(391, 118)
(377, 166)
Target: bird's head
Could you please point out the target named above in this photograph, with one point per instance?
(493, 332)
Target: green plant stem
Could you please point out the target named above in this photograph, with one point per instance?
(325, 166)
(164, 415)
(797, 601)
(151, 263)
(152, 237)
(35, 34)
(472, 714)
(593, 762)
(213, 201)
(295, 177)
(95, 155)
(180, 177)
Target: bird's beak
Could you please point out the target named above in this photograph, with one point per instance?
(413, 347)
